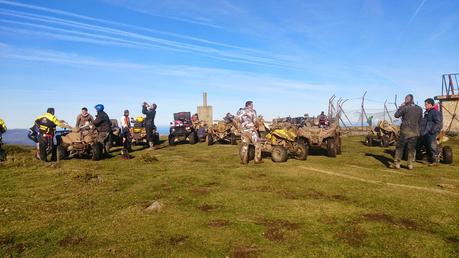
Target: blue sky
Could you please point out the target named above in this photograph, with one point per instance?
(288, 56)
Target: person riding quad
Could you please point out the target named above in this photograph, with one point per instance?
(150, 112)
(84, 118)
(247, 117)
(323, 120)
(125, 130)
(46, 125)
(103, 126)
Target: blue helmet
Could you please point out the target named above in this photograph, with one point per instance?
(99, 107)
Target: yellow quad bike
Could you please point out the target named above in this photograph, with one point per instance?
(281, 142)
(222, 132)
(444, 152)
(138, 131)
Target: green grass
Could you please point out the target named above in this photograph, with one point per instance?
(213, 206)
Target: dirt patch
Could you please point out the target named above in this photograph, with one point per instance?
(245, 251)
(72, 240)
(211, 184)
(200, 191)
(177, 240)
(453, 239)
(314, 194)
(208, 207)
(88, 177)
(289, 195)
(353, 234)
(390, 220)
(217, 223)
(148, 158)
(276, 229)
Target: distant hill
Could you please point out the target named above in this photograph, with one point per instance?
(17, 136)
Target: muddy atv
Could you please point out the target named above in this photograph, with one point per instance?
(328, 137)
(384, 134)
(281, 141)
(82, 142)
(224, 131)
(444, 152)
(201, 130)
(115, 138)
(182, 129)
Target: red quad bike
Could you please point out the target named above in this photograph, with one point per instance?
(182, 129)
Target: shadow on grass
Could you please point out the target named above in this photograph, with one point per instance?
(384, 160)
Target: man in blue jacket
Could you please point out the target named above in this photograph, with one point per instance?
(430, 128)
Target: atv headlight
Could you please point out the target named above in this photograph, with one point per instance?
(173, 130)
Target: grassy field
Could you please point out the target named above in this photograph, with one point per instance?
(212, 206)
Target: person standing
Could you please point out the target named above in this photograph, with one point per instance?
(150, 112)
(84, 118)
(103, 126)
(247, 117)
(126, 130)
(411, 115)
(430, 128)
(46, 125)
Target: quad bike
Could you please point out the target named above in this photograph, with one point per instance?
(138, 131)
(82, 142)
(281, 141)
(384, 134)
(444, 153)
(115, 138)
(329, 136)
(224, 131)
(182, 129)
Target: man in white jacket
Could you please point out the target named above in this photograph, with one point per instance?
(125, 130)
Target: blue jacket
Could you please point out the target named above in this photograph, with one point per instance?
(432, 122)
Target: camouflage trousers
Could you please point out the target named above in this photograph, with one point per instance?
(251, 137)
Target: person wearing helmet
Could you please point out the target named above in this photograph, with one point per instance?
(150, 112)
(84, 118)
(126, 130)
(46, 125)
(103, 126)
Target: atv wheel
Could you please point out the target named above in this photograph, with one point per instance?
(385, 141)
(171, 140)
(369, 140)
(61, 152)
(302, 151)
(43, 149)
(96, 151)
(447, 155)
(331, 147)
(338, 148)
(279, 154)
(210, 139)
(233, 139)
(193, 138)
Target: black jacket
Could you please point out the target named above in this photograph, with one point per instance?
(102, 122)
(432, 122)
(411, 115)
(150, 116)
